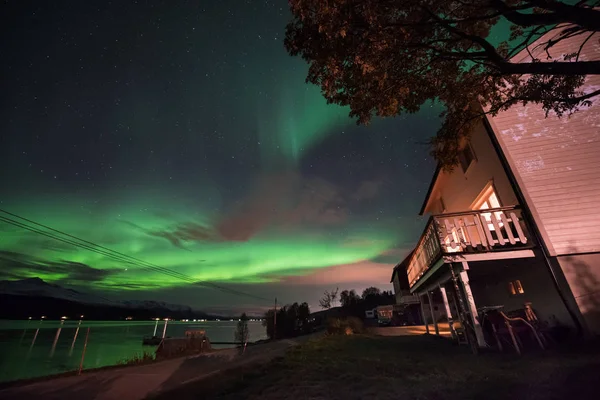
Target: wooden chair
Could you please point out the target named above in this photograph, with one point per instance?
(502, 326)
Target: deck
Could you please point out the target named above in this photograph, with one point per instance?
(470, 236)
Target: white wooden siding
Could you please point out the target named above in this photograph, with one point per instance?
(459, 190)
(557, 162)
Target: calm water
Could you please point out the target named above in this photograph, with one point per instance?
(32, 348)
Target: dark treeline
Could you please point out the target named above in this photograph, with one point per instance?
(296, 319)
(292, 320)
(354, 305)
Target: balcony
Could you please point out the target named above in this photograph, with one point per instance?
(465, 233)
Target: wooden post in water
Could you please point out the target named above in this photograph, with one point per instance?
(74, 339)
(62, 321)
(155, 328)
(83, 351)
(34, 337)
(24, 331)
(165, 329)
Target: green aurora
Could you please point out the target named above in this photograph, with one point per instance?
(206, 155)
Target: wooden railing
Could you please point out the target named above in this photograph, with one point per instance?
(477, 231)
(426, 253)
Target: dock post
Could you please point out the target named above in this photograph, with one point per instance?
(165, 329)
(83, 351)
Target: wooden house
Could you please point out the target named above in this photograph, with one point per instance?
(516, 222)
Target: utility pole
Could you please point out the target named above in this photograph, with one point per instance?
(275, 320)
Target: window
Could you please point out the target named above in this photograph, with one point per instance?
(466, 157)
(488, 199)
(519, 287)
(515, 288)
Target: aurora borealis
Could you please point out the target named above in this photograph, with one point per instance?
(181, 133)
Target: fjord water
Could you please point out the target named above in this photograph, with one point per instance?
(31, 349)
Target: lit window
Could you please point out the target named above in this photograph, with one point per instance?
(486, 200)
(515, 287)
(511, 288)
(519, 287)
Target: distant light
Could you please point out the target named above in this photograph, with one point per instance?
(43, 316)
(29, 318)
(63, 317)
(81, 316)
(166, 319)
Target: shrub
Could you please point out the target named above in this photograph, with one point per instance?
(136, 359)
(356, 325)
(344, 326)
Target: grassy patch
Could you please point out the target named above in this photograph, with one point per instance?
(361, 366)
(137, 359)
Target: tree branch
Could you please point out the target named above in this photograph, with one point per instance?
(552, 68)
(585, 17)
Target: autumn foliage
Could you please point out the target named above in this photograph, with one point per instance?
(390, 57)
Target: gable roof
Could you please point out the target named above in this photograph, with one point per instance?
(438, 169)
(401, 266)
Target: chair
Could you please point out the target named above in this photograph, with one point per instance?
(504, 326)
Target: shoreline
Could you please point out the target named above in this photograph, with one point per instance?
(151, 379)
(85, 371)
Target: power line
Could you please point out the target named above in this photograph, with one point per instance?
(115, 255)
(122, 257)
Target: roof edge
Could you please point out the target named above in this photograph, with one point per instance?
(438, 169)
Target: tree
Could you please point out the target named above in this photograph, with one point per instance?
(389, 57)
(304, 317)
(349, 298)
(292, 320)
(269, 323)
(370, 292)
(334, 296)
(329, 298)
(242, 332)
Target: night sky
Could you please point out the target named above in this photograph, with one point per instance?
(183, 134)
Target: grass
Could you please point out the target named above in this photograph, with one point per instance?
(137, 359)
(417, 367)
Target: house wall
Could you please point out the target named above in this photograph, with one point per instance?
(489, 283)
(459, 190)
(583, 274)
(556, 162)
(396, 284)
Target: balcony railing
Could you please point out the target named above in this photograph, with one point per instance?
(477, 231)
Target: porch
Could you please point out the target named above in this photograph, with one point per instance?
(478, 259)
(477, 235)
(509, 285)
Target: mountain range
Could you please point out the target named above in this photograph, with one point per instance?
(33, 297)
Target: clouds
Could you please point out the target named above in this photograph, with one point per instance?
(277, 201)
(359, 273)
(186, 232)
(15, 265)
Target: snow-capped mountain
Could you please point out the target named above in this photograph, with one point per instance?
(151, 305)
(36, 287)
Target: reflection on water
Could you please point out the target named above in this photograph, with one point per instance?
(37, 348)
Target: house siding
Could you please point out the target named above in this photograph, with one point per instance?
(582, 271)
(556, 162)
(459, 190)
(489, 283)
